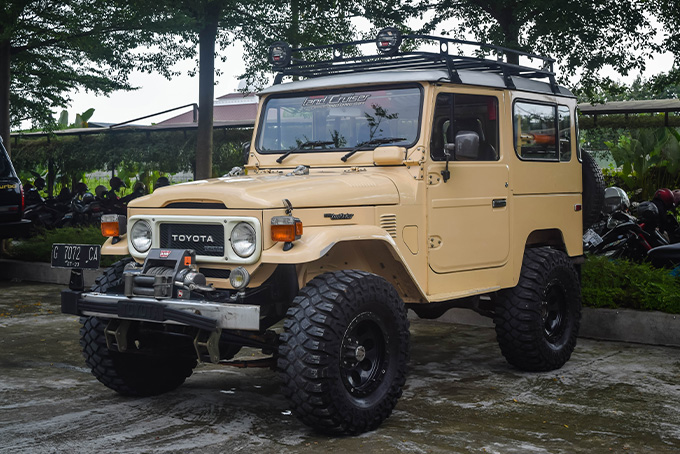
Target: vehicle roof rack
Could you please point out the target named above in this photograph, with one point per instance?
(388, 41)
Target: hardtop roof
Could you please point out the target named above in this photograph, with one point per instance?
(475, 78)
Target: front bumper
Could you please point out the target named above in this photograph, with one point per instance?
(204, 315)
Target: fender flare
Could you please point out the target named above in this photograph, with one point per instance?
(317, 241)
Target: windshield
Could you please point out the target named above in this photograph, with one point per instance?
(340, 120)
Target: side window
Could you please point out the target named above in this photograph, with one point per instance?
(564, 123)
(473, 118)
(578, 137)
(5, 166)
(535, 131)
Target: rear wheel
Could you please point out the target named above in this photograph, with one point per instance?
(344, 352)
(537, 321)
(130, 374)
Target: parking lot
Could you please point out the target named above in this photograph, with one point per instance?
(461, 396)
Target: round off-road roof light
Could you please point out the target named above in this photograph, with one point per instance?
(239, 278)
(280, 54)
(388, 41)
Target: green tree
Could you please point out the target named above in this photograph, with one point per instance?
(582, 35)
(300, 23)
(50, 48)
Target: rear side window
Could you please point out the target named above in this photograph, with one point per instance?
(6, 170)
(535, 131)
(542, 131)
(564, 123)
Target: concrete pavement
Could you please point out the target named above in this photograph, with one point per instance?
(460, 396)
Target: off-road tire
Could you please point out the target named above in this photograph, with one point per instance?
(593, 190)
(537, 321)
(127, 373)
(333, 322)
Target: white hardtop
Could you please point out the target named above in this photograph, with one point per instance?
(477, 78)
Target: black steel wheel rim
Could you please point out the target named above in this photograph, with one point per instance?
(554, 311)
(364, 355)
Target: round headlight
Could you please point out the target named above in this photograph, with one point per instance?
(140, 236)
(243, 239)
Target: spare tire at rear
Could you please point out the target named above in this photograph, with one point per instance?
(593, 190)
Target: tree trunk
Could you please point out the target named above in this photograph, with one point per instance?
(206, 92)
(4, 93)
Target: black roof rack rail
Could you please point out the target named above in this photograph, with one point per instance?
(287, 61)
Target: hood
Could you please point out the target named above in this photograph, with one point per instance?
(268, 191)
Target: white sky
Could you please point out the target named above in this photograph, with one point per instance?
(156, 94)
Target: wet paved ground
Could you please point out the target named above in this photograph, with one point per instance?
(461, 396)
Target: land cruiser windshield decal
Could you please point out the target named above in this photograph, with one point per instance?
(339, 100)
(345, 120)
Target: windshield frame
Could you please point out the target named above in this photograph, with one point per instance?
(331, 91)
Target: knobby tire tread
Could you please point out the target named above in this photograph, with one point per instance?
(127, 374)
(518, 321)
(314, 323)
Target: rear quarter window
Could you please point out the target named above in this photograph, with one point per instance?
(6, 170)
(535, 131)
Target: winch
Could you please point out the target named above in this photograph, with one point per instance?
(166, 273)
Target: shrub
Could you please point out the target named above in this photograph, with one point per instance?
(39, 247)
(622, 284)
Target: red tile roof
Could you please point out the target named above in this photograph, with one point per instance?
(227, 108)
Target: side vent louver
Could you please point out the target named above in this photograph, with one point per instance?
(388, 222)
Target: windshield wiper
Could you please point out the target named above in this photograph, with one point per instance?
(302, 146)
(367, 145)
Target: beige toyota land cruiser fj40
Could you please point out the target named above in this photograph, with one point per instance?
(373, 184)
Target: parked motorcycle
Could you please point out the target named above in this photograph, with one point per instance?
(633, 238)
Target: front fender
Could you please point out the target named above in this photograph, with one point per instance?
(317, 241)
(120, 248)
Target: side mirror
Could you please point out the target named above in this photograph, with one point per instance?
(245, 152)
(467, 145)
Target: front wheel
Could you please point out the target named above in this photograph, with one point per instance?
(537, 321)
(344, 351)
(129, 374)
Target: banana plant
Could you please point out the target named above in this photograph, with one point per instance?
(648, 158)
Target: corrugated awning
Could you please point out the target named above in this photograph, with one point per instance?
(631, 107)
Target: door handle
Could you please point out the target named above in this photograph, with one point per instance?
(499, 203)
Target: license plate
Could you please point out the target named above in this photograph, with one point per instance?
(144, 311)
(76, 255)
(591, 238)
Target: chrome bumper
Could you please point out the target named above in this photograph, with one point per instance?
(200, 314)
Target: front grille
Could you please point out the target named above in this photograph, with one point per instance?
(205, 239)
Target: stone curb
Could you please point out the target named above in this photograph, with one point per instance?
(623, 325)
(41, 272)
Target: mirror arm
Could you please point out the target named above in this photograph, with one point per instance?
(446, 174)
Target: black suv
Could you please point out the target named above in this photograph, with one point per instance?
(11, 199)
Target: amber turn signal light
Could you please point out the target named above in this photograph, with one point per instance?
(113, 225)
(286, 229)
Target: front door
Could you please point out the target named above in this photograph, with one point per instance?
(468, 222)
